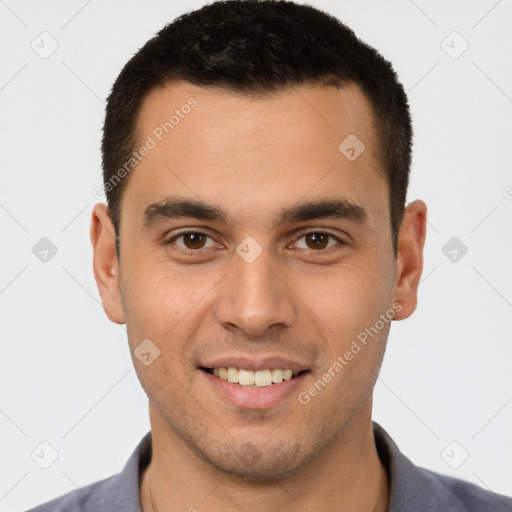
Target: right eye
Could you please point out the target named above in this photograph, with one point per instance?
(191, 240)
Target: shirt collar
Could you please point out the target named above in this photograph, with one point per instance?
(123, 493)
(411, 487)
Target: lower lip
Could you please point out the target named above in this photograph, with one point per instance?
(254, 397)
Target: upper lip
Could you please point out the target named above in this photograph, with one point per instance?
(255, 363)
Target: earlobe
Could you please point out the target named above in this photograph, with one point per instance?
(409, 262)
(105, 263)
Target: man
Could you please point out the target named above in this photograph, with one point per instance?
(257, 245)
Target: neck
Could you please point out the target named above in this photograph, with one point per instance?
(348, 476)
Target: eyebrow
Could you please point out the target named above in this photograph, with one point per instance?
(176, 207)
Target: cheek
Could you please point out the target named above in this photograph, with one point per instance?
(346, 300)
(163, 309)
(349, 303)
(160, 302)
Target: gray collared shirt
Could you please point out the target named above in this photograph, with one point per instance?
(413, 489)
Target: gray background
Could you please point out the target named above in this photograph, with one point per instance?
(66, 375)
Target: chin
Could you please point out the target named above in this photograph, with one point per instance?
(252, 464)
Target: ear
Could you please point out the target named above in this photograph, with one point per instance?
(105, 263)
(409, 263)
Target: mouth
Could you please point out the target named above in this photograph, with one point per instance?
(253, 378)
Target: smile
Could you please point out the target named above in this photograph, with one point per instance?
(259, 378)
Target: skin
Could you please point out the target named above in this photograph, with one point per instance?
(251, 158)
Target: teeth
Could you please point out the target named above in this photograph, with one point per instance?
(277, 376)
(260, 378)
(246, 377)
(263, 378)
(233, 375)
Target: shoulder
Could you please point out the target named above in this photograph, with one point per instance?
(423, 490)
(87, 499)
(468, 496)
(118, 493)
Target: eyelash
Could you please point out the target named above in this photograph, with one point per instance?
(170, 241)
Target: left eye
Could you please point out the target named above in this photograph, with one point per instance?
(318, 240)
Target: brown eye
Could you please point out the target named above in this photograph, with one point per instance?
(317, 240)
(194, 240)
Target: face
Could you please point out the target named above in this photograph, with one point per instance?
(250, 241)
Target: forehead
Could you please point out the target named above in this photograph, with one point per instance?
(211, 144)
(326, 112)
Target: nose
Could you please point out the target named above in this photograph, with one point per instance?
(254, 298)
